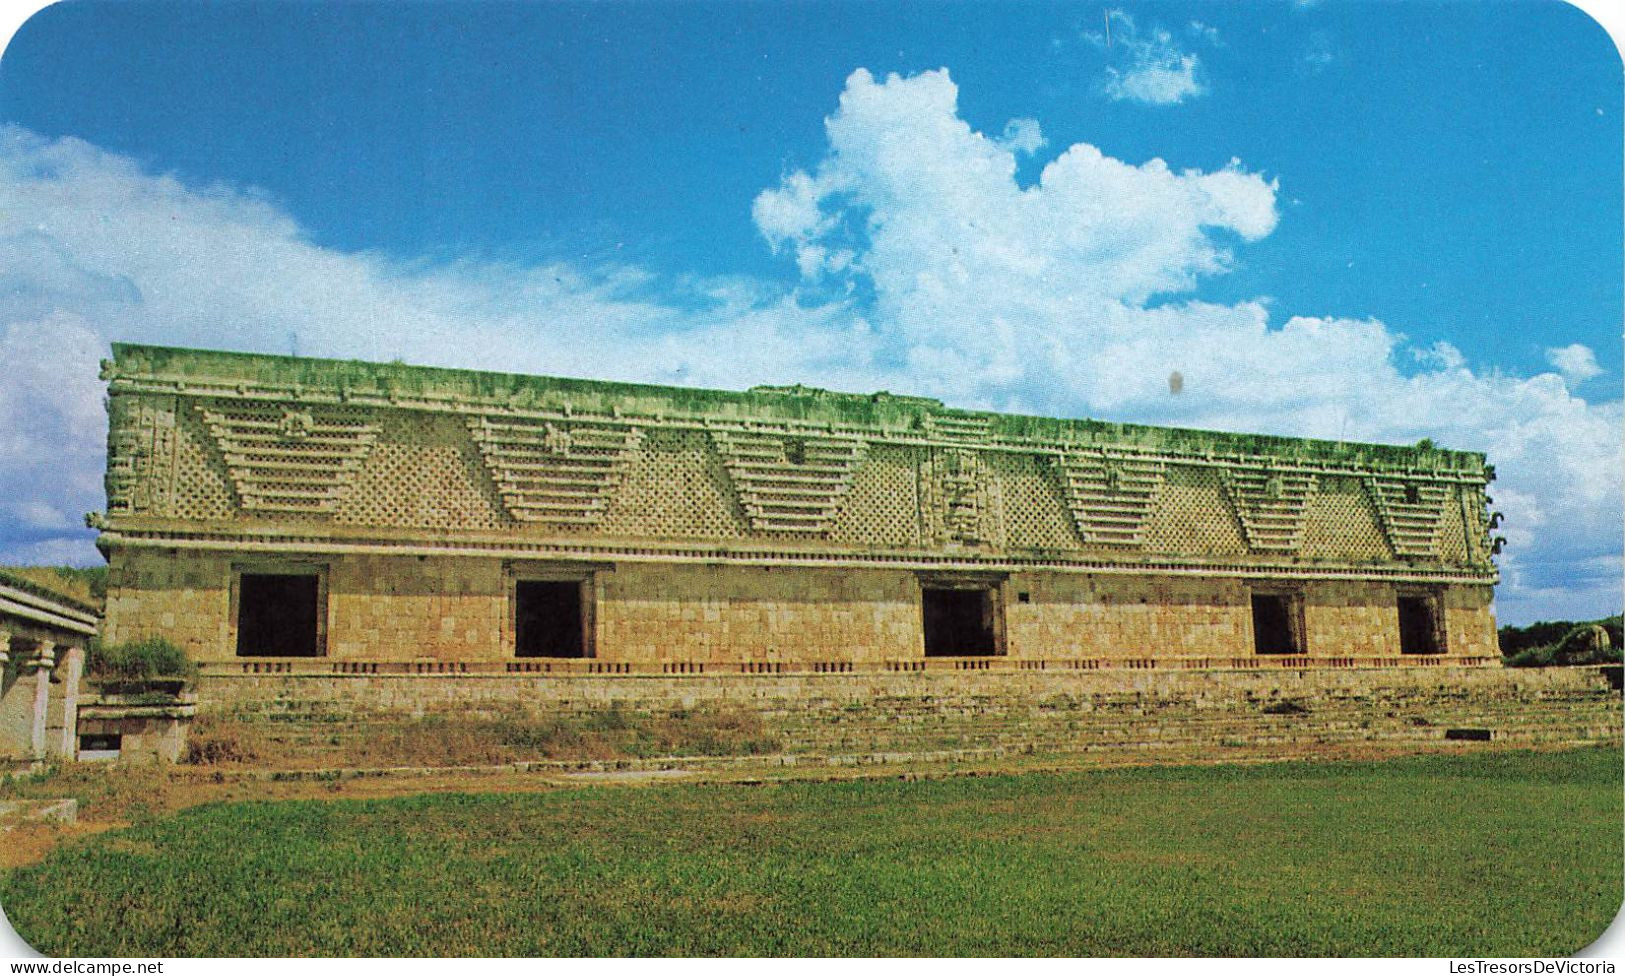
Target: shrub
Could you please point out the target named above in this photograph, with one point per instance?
(1582, 644)
(1586, 644)
(140, 660)
(1531, 657)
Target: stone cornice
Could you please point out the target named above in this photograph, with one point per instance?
(288, 541)
(27, 605)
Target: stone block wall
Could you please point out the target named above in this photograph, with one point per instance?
(934, 715)
(1126, 616)
(651, 613)
(396, 608)
(459, 609)
(184, 596)
(1470, 621)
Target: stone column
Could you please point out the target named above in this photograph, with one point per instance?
(42, 662)
(71, 667)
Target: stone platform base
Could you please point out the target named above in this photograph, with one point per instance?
(1195, 714)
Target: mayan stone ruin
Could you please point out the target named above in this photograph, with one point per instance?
(271, 513)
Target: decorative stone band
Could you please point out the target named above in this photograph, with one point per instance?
(476, 670)
(550, 471)
(1410, 513)
(942, 428)
(292, 542)
(1111, 495)
(295, 459)
(1269, 503)
(789, 483)
(18, 603)
(299, 456)
(952, 427)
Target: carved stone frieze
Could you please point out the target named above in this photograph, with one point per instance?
(554, 472)
(789, 482)
(288, 459)
(956, 504)
(140, 457)
(1269, 503)
(1411, 513)
(1111, 496)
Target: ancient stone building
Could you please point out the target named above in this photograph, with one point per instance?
(275, 514)
(43, 636)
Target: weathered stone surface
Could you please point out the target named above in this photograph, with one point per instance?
(1197, 714)
(779, 528)
(42, 638)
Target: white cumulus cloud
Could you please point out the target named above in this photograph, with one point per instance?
(1072, 297)
(1150, 66)
(1577, 363)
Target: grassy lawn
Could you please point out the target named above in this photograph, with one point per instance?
(1498, 854)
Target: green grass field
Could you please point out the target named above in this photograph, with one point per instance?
(1497, 854)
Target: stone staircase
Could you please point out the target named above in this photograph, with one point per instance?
(1029, 717)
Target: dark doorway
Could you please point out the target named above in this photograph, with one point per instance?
(277, 615)
(958, 623)
(547, 619)
(1274, 629)
(1418, 626)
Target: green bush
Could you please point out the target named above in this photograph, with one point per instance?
(1515, 640)
(1582, 644)
(1531, 657)
(139, 660)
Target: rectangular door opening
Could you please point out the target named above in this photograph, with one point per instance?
(959, 622)
(1419, 626)
(1275, 628)
(278, 615)
(547, 619)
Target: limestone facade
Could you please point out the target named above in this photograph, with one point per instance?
(289, 515)
(43, 638)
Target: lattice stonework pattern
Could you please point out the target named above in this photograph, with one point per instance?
(789, 482)
(203, 487)
(290, 458)
(1035, 512)
(1453, 545)
(1475, 524)
(1110, 496)
(883, 507)
(1192, 517)
(1411, 513)
(1340, 523)
(675, 488)
(1270, 505)
(554, 472)
(425, 472)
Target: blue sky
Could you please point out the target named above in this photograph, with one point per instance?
(1380, 221)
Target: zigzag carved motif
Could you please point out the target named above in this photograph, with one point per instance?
(296, 460)
(1111, 496)
(551, 472)
(1270, 505)
(1411, 513)
(789, 482)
